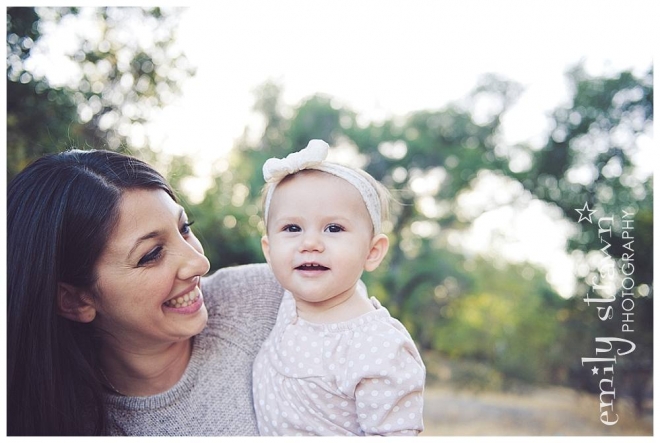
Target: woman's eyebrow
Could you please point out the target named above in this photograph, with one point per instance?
(150, 235)
(139, 241)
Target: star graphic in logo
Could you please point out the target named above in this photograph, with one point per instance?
(583, 210)
(594, 371)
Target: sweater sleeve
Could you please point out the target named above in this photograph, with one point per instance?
(245, 300)
(386, 376)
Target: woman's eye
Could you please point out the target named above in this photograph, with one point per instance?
(151, 257)
(185, 229)
(291, 228)
(334, 228)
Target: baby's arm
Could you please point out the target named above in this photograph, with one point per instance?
(389, 395)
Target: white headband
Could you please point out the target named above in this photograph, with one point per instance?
(313, 157)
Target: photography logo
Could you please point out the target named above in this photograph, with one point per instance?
(611, 290)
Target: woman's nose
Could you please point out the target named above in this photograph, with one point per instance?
(193, 262)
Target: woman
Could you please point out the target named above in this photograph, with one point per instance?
(111, 329)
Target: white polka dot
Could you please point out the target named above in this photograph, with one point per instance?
(362, 356)
(412, 416)
(374, 417)
(388, 427)
(407, 404)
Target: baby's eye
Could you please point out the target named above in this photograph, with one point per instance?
(291, 228)
(334, 228)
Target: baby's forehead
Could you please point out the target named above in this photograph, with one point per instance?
(310, 173)
(321, 184)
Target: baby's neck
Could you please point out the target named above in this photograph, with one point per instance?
(334, 311)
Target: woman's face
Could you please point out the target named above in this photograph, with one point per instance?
(148, 288)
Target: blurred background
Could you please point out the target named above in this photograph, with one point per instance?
(492, 123)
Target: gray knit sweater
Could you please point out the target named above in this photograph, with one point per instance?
(214, 396)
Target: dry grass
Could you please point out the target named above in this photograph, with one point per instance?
(552, 411)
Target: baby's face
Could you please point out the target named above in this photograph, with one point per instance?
(319, 235)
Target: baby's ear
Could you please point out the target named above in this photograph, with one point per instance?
(74, 303)
(379, 246)
(265, 247)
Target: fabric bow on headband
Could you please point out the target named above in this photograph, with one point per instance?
(313, 157)
(275, 169)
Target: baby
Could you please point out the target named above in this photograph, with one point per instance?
(336, 362)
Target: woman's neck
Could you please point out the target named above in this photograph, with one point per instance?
(141, 374)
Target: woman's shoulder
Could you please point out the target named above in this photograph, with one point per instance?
(257, 276)
(243, 290)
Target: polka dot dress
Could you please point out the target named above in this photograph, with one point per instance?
(359, 377)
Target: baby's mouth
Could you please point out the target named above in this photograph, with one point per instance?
(184, 300)
(312, 267)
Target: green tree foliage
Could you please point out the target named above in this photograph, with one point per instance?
(504, 317)
(477, 309)
(122, 68)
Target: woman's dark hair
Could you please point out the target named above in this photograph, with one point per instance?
(61, 211)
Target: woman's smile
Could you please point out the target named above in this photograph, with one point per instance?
(189, 302)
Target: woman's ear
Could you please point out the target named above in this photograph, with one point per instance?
(75, 303)
(379, 246)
